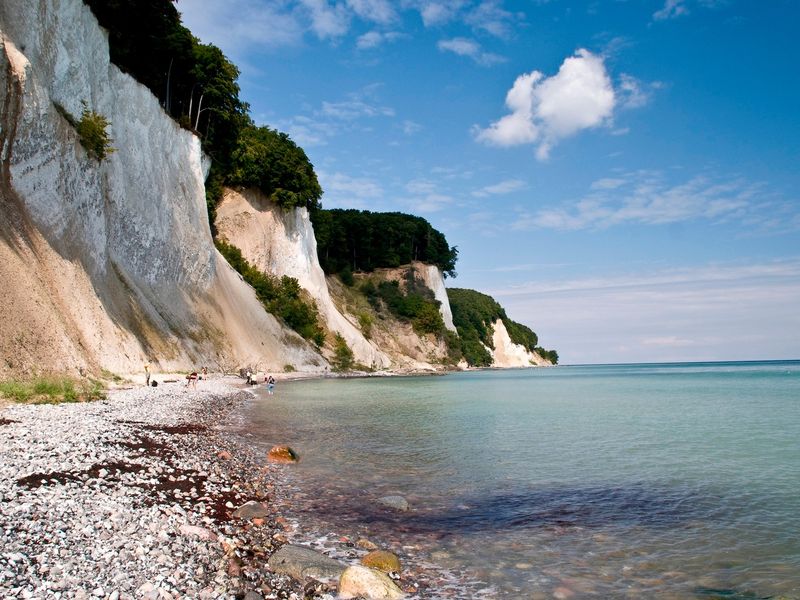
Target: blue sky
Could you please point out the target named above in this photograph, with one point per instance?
(621, 175)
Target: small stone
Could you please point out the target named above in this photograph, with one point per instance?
(282, 454)
(365, 544)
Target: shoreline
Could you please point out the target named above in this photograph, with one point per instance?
(132, 497)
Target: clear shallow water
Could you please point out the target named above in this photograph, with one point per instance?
(679, 480)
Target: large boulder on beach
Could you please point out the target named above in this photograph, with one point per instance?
(382, 560)
(301, 562)
(362, 582)
(282, 454)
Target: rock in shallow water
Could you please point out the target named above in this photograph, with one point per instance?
(358, 581)
(395, 502)
(301, 562)
(382, 560)
(282, 454)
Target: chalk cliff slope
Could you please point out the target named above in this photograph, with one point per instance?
(281, 242)
(507, 354)
(105, 263)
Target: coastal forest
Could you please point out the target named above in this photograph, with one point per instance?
(198, 87)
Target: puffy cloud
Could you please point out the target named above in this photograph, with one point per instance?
(545, 110)
(471, 49)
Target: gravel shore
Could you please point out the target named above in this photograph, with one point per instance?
(132, 497)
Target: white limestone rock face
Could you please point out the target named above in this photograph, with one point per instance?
(434, 279)
(507, 354)
(116, 256)
(282, 242)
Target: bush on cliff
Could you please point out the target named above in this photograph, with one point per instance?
(93, 135)
(280, 296)
(412, 302)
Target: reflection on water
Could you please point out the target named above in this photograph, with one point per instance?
(670, 481)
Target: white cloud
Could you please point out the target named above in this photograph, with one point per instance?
(632, 94)
(438, 12)
(608, 183)
(471, 49)
(238, 26)
(490, 17)
(344, 191)
(331, 118)
(355, 108)
(504, 187)
(377, 11)
(545, 110)
(644, 198)
(411, 127)
(425, 196)
(328, 21)
(373, 39)
(671, 9)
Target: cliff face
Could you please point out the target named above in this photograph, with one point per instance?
(105, 263)
(282, 242)
(507, 354)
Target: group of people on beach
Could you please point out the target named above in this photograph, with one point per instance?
(194, 376)
(269, 380)
(191, 378)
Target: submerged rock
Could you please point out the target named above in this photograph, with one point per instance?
(282, 454)
(395, 502)
(301, 562)
(358, 581)
(382, 560)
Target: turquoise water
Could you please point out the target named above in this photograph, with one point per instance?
(678, 480)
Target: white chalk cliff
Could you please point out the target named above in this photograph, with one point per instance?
(282, 242)
(507, 354)
(105, 263)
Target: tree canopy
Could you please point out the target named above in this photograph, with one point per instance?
(271, 161)
(364, 241)
(197, 85)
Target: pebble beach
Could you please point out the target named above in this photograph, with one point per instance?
(140, 495)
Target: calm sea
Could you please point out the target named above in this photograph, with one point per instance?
(650, 480)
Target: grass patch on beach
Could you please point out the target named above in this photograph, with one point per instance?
(52, 389)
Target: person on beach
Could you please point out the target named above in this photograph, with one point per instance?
(205, 373)
(249, 377)
(270, 384)
(191, 379)
(147, 373)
